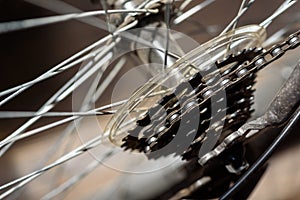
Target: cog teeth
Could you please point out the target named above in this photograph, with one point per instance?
(239, 57)
(239, 101)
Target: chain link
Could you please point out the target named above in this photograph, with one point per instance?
(204, 92)
(275, 52)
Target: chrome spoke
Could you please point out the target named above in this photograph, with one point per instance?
(192, 11)
(88, 70)
(282, 8)
(67, 185)
(25, 114)
(244, 7)
(22, 181)
(6, 27)
(62, 7)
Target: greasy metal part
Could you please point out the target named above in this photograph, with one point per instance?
(200, 59)
(121, 20)
(218, 182)
(154, 141)
(278, 112)
(252, 171)
(239, 100)
(286, 99)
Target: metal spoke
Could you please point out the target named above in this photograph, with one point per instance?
(62, 7)
(167, 21)
(22, 181)
(6, 27)
(244, 7)
(282, 8)
(192, 11)
(62, 93)
(67, 185)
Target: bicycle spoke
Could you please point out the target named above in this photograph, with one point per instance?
(282, 8)
(20, 182)
(100, 90)
(244, 7)
(192, 11)
(6, 27)
(64, 65)
(89, 100)
(63, 162)
(69, 87)
(55, 70)
(25, 114)
(107, 16)
(184, 4)
(279, 35)
(61, 7)
(167, 21)
(70, 128)
(67, 185)
(66, 120)
(98, 93)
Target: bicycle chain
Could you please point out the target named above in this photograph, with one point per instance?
(292, 42)
(170, 104)
(231, 80)
(266, 58)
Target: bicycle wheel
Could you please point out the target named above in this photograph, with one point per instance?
(63, 151)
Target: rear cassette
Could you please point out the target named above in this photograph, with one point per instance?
(173, 112)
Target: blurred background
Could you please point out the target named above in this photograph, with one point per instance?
(26, 54)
